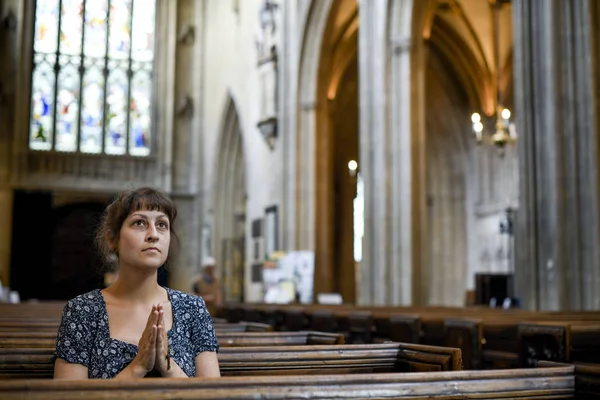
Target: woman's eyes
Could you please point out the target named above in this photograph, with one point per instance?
(163, 225)
(160, 224)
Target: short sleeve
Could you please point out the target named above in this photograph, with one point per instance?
(74, 333)
(203, 332)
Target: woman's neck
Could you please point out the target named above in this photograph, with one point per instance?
(137, 286)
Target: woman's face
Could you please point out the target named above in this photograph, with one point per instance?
(144, 239)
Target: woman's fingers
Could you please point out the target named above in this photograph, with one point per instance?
(153, 336)
(160, 320)
(150, 322)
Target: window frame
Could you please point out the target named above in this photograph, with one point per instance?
(29, 75)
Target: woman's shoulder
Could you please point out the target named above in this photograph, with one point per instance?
(85, 303)
(186, 300)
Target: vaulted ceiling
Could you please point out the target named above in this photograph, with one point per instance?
(464, 31)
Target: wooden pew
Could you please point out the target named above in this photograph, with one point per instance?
(249, 339)
(488, 338)
(538, 383)
(36, 325)
(512, 343)
(558, 341)
(24, 363)
(226, 339)
(242, 327)
(587, 379)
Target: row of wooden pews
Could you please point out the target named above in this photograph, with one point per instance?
(552, 383)
(262, 359)
(488, 338)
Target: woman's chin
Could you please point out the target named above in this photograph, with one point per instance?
(144, 263)
(149, 265)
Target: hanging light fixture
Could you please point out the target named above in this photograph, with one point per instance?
(504, 130)
(352, 168)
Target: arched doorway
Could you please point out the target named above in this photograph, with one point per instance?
(346, 252)
(76, 266)
(468, 185)
(230, 206)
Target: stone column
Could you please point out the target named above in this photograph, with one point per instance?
(373, 143)
(310, 120)
(288, 95)
(556, 99)
(185, 72)
(392, 150)
(404, 152)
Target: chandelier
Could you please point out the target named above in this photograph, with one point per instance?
(498, 127)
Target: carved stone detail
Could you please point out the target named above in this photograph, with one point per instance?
(96, 173)
(186, 108)
(187, 35)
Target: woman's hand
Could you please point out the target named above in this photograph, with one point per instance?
(145, 360)
(162, 361)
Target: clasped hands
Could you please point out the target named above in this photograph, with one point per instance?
(153, 348)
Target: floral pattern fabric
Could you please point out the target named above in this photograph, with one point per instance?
(84, 335)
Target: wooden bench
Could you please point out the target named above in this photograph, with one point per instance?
(587, 378)
(226, 339)
(538, 383)
(50, 326)
(23, 363)
(587, 381)
(499, 344)
(242, 327)
(249, 339)
(488, 338)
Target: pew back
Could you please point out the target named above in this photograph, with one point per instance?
(23, 363)
(539, 383)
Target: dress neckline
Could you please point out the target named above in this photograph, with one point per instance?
(107, 327)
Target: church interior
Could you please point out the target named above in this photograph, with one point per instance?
(419, 176)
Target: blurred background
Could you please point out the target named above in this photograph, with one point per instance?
(390, 152)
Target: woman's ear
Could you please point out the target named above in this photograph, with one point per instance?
(112, 243)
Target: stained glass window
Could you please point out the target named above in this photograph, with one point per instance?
(92, 76)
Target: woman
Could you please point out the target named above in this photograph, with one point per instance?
(136, 328)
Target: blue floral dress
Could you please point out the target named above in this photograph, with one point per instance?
(84, 335)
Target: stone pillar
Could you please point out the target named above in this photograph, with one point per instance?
(288, 95)
(373, 145)
(310, 120)
(392, 99)
(556, 100)
(185, 183)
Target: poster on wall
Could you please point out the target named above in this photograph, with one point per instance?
(289, 277)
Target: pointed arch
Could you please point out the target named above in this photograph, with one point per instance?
(230, 204)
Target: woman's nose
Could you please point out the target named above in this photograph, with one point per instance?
(152, 234)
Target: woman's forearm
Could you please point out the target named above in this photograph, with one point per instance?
(132, 371)
(175, 371)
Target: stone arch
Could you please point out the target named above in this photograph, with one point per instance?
(328, 48)
(309, 108)
(230, 204)
(459, 81)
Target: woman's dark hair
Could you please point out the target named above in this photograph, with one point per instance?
(145, 198)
